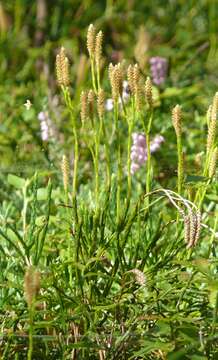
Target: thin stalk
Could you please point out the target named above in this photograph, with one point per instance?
(211, 242)
(180, 165)
(215, 315)
(31, 316)
(129, 179)
(130, 127)
(119, 179)
(148, 173)
(148, 164)
(24, 210)
(98, 76)
(75, 168)
(93, 75)
(69, 105)
(107, 154)
(116, 107)
(96, 163)
(202, 194)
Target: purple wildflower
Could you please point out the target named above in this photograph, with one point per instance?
(46, 126)
(159, 67)
(139, 149)
(156, 142)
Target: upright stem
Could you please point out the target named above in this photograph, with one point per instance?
(98, 76)
(201, 194)
(97, 138)
(119, 169)
(129, 180)
(148, 173)
(131, 122)
(76, 143)
(107, 154)
(93, 75)
(76, 157)
(24, 210)
(30, 349)
(180, 165)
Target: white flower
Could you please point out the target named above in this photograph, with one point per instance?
(28, 104)
(109, 104)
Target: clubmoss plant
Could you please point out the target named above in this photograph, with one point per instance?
(98, 55)
(65, 173)
(212, 123)
(84, 107)
(62, 71)
(213, 163)
(91, 104)
(103, 134)
(149, 100)
(116, 81)
(111, 230)
(62, 68)
(177, 123)
(91, 46)
(211, 151)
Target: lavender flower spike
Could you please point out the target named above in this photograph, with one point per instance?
(139, 150)
(47, 130)
(159, 67)
(156, 142)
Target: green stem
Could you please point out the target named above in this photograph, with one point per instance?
(69, 239)
(130, 128)
(107, 154)
(148, 172)
(180, 165)
(93, 75)
(211, 242)
(96, 162)
(119, 169)
(98, 76)
(31, 316)
(75, 168)
(69, 105)
(202, 195)
(24, 210)
(129, 180)
(215, 315)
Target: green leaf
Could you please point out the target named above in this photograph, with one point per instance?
(195, 178)
(149, 346)
(178, 355)
(16, 181)
(42, 194)
(189, 332)
(212, 197)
